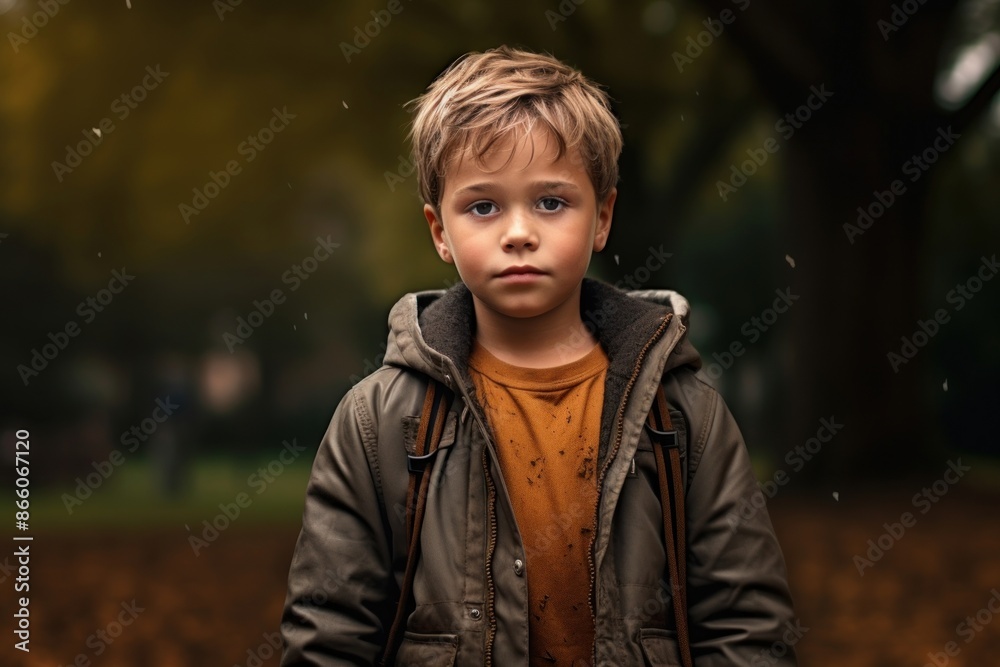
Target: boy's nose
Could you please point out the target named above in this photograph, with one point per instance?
(520, 232)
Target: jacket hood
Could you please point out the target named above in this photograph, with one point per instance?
(432, 331)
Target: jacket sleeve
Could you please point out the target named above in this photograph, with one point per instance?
(338, 604)
(739, 606)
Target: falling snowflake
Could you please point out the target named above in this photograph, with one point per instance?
(791, 262)
(305, 315)
(945, 385)
(98, 254)
(836, 496)
(616, 259)
(345, 104)
(97, 131)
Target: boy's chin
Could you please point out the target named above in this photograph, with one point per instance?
(519, 307)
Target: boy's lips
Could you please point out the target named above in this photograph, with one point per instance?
(520, 274)
(521, 271)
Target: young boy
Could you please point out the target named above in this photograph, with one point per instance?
(543, 538)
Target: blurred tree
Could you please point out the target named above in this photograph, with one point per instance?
(862, 290)
(340, 170)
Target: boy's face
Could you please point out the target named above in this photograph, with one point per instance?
(521, 235)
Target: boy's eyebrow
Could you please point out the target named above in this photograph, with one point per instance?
(537, 185)
(555, 185)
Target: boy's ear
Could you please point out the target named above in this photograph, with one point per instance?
(605, 212)
(438, 233)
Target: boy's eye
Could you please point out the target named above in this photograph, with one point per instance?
(551, 204)
(483, 207)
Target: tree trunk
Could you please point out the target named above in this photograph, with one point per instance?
(857, 299)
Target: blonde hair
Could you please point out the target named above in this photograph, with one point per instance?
(485, 98)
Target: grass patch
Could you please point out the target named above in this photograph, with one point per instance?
(132, 495)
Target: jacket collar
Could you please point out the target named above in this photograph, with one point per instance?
(432, 332)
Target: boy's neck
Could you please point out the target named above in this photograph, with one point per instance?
(555, 338)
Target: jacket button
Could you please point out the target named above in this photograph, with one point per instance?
(518, 567)
(475, 613)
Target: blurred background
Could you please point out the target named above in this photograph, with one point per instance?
(207, 210)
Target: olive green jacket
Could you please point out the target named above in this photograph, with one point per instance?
(470, 588)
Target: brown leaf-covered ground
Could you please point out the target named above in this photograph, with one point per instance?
(218, 608)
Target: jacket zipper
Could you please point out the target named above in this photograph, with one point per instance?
(490, 548)
(491, 496)
(491, 522)
(491, 487)
(619, 429)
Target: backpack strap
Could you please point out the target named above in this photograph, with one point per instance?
(672, 502)
(437, 401)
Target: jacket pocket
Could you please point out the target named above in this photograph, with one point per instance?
(659, 647)
(419, 650)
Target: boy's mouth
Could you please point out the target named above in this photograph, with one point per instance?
(521, 271)
(520, 274)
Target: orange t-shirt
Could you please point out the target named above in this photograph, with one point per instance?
(547, 422)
